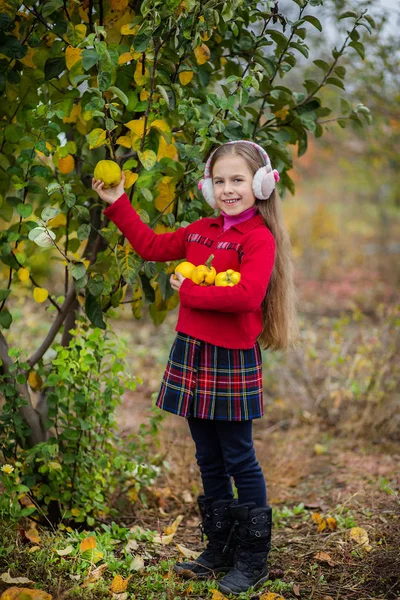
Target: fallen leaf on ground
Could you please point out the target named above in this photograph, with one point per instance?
(34, 549)
(95, 575)
(324, 557)
(16, 593)
(360, 536)
(119, 584)
(271, 596)
(216, 595)
(32, 535)
(88, 543)
(171, 529)
(296, 589)
(131, 545)
(6, 577)
(66, 551)
(163, 539)
(123, 596)
(187, 497)
(332, 523)
(137, 563)
(187, 552)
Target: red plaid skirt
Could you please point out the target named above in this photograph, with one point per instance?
(210, 382)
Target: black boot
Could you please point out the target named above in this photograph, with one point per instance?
(218, 556)
(252, 533)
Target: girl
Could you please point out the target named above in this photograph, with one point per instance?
(213, 376)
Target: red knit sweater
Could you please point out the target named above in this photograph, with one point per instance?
(225, 316)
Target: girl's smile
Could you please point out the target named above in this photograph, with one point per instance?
(232, 182)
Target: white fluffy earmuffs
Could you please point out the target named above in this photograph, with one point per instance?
(264, 180)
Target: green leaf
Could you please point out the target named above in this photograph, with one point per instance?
(51, 6)
(300, 47)
(25, 210)
(359, 48)
(314, 21)
(54, 67)
(335, 81)
(104, 80)
(83, 231)
(42, 237)
(5, 318)
(347, 14)
(321, 64)
(49, 213)
(77, 270)
(95, 284)
(4, 294)
(148, 158)
(120, 94)
(141, 42)
(129, 263)
(93, 311)
(89, 58)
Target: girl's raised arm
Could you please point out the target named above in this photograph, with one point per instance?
(148, 244)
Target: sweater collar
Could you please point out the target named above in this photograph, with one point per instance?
(242, 227)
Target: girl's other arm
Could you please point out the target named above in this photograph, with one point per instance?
(246, 296)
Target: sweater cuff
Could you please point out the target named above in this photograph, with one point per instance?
(184, 290)
(115, 206)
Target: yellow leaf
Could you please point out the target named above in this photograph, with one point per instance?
(130, 179)
(216, 595)
(80, 33)
(40, 294)
(325, 557)
(205, 36)
(165, 194)
(97, 137)
(282, 113)
(27, 60)
(66, 165)
(161, 125)
(140, 77)
(191, 554)
(185, 77)
(332, 523)
(75, 512)
(72, 56)
(34, 549)
(148, 158)
(124, 58)
(119, 4)
(124, 140)
(136, 126)
(322, 525)
(23, 274)
(360, 536)
(119, 584)
(202, 54)
(17, 593)
(166, 150)
(129, 29)
(75, 113)
(144, 95)
(319, 449)
(316, 517)
(271, 596)
(174, 526)
(58, 221)
(88, 543)
(35, 381)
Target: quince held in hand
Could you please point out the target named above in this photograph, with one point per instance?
(185, 268)
(204, 274)
(109, 172)
(227, 278)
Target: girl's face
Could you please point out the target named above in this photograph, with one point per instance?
(232, 183)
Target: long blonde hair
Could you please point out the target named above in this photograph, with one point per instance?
(279, 307)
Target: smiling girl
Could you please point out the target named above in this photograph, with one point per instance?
(214, 373)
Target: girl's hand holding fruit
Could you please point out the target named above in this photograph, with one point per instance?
(108, 181)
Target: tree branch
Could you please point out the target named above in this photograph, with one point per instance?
(54, 329)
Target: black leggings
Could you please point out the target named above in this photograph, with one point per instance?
(224, 449)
